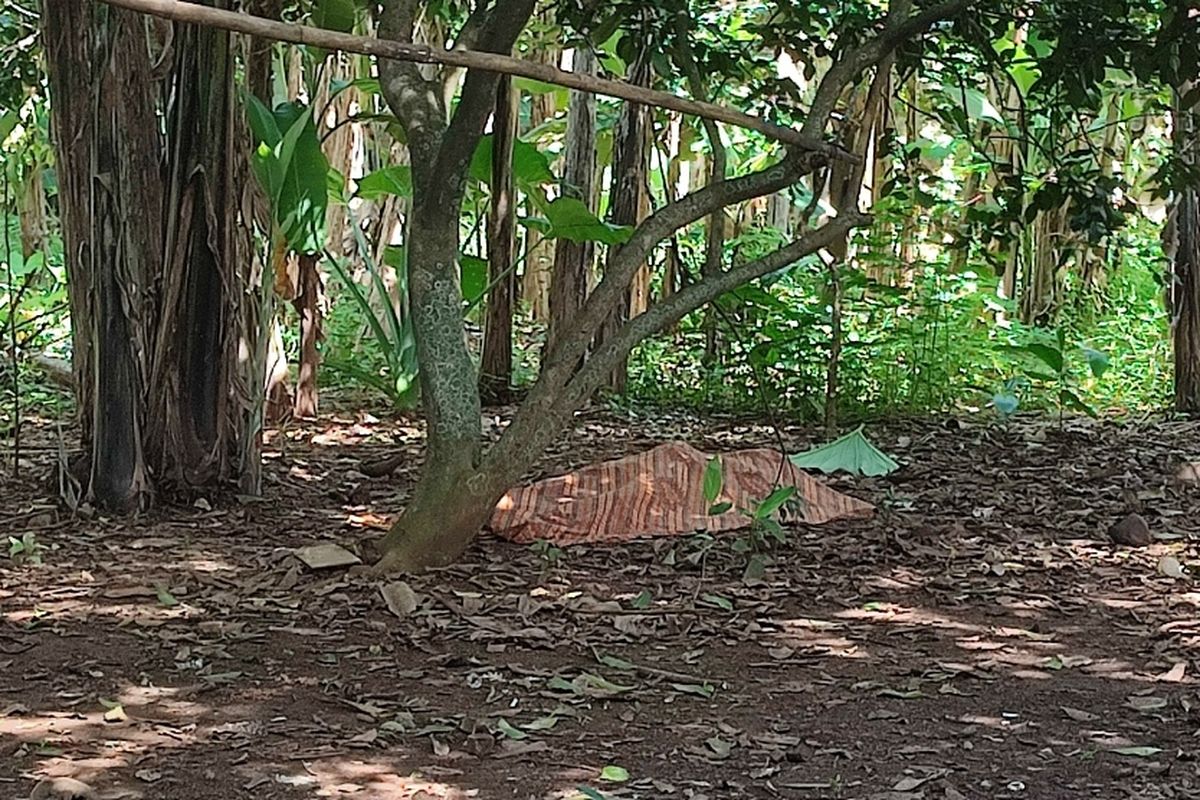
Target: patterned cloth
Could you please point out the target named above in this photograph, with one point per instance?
(660, 493)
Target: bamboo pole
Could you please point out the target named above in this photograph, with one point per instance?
(469, 59)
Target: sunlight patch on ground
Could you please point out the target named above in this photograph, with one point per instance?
(378, 780)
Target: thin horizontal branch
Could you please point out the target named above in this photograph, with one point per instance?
(492, 62)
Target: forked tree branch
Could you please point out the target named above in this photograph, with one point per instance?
(691, 297)
(536, 431)
(498, 34)
(407, 51)
(416, 100)
(624, 261)
(897, 29)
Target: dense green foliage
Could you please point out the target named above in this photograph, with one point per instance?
(1001, 129)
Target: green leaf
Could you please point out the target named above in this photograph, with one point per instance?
(395, 180)
(473, 277)
(1052, 357)
(700, 690)
(530, 166)
(505, 727)
(717, 600)
(756, 569)
(164, 596)
(1097, 361)
(1006, 403)
(1071, 400)
(570, 219)
(714, 477)
(541, 723)
(773, 502)
(590, 793)
(334, 15)
(642, 600)
(979, 108)
(616, 663)
(851, 453)
(614, 774)
(718, 509)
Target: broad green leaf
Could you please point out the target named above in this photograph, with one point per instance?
(979, 108)
(164, 596)
(530, 166)
(1006, 403)
(334, 15)
(718, 509)
(713, 479)
(643, 599)
(1097, 361)
(614, 774)
(473, 277)
(851, 453)
(774, 501)
(395, 180)
(570, 219)
(756, 569)
(1052, 357)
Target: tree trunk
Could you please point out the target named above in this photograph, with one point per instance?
(1183, 244)
(573, 261)
(157, 258)
(445, 511)
(308, 306)
(625, 194)
(496, 364)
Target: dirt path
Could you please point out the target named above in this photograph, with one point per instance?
(979, 638)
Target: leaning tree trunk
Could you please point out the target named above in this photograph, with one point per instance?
(496, 363)
(154, 253)
(1183, 243)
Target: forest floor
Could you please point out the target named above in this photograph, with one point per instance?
(979, 638)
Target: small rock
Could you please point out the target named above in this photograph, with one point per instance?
(1131, 532)
(1188, 473)
(62, 789)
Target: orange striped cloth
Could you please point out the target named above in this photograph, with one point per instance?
(659, 493)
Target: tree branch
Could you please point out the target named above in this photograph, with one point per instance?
(527, 431)
(405, 50)
(851, 63)
(624, 261)
(413, 98)
(478, 97)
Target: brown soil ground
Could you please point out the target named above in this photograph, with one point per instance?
(979, 638)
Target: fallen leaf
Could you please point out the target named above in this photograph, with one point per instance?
(1139, 752)
(1169, 565)
(1079, 715)
(1174, 674)
(614, 774)
(401, 600)
(326, 556)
